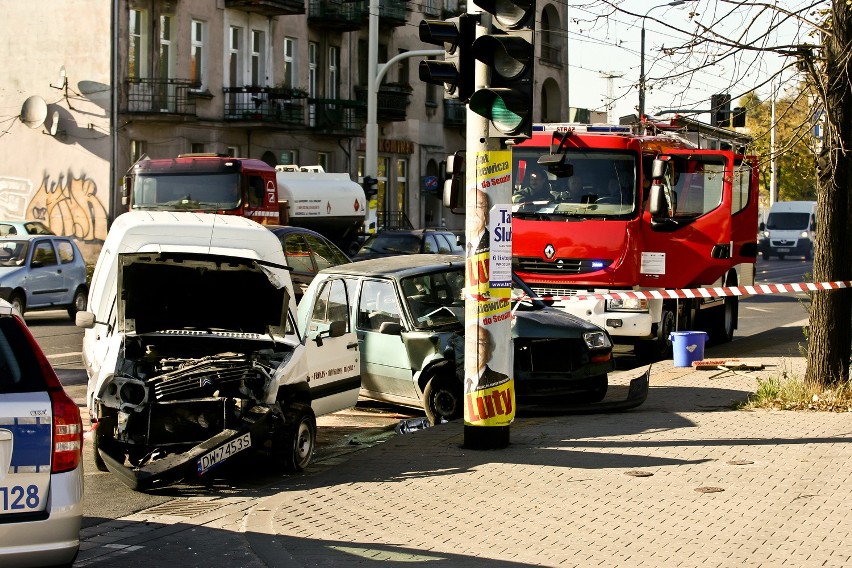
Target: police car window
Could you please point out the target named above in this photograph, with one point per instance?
(19, 369)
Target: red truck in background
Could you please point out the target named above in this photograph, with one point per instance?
(600, 232)
(332, 204)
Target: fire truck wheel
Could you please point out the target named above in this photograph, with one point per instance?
(661, 347)
(442, 399)
(294, 444)
(724, 321)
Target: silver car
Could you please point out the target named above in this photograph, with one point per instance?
(41, 439)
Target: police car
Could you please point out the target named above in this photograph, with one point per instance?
(41, 439)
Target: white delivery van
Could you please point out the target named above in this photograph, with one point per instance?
(193, 354)
(789, 230)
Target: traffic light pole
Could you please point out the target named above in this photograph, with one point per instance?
(480, 433)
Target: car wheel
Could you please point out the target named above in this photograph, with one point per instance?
(295, 442)
(18, 302)
(597, 387)
(78, 304)
(442, 399)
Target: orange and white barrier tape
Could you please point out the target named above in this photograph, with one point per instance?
(718, 292)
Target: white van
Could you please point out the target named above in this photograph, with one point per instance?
(789, 230)
(193, 354)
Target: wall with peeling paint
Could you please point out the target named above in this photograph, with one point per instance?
(61, 179)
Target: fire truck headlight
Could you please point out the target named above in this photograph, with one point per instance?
(627, 305)
(597, 340)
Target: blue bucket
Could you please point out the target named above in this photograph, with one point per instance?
(687, 346)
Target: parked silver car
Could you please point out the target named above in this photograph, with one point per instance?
(41, 440)
(408, 313)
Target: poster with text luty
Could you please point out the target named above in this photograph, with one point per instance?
(489, 389)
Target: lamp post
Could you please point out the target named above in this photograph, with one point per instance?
(642, 56)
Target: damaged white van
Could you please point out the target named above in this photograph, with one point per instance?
(193, 354)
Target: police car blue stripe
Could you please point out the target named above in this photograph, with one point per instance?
(32, 439)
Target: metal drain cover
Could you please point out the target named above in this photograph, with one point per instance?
(709, 489)
(638, 473)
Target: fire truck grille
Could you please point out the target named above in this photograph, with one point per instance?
(558, 265)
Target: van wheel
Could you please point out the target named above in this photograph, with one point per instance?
(101, 438)
(780, 257)
(18, 302)
(765, 255)
(294, 444)
(809, 254)
(78, 304)
(442, 399)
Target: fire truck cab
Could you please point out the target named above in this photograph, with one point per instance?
(673, 207)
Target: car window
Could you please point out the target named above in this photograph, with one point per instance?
(36, 228)
(66, 251)
(430, 244)
(44, 253)
(19, 369)
(13, 253)
(444, 246)
(378, 304)
(324, 254)
(7, 230)
(298, 254)
(332, 304)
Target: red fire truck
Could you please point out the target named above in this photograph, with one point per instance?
(673, 207)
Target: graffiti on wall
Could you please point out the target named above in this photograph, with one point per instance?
(68, 205)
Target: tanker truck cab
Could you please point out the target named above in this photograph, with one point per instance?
(789, 230)
(193, 355)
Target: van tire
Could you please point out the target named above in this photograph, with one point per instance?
(809, 254)
(442, 399)
(294, 443)
(765, 255)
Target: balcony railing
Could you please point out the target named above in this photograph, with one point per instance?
(337, 115)
(167, 96)
(337, 14)
(551, 53)
(268, 7)
(392, 101)
(265, 104)
(455, 113)
(391, 12)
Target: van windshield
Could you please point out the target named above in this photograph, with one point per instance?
(195, 192)
(787, 221)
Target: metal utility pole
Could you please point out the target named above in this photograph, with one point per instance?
(610, 91)
(642, 55)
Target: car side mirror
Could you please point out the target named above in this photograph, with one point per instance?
(390, 328)
(87, 320)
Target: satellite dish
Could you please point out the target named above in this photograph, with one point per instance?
(54, 123)
(62, 80)
(34, 111)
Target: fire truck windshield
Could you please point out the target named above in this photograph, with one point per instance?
(195, 191)
(588, 184)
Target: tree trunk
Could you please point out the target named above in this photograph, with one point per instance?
(830, 335)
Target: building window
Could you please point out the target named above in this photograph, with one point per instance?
(401, 183)
(404, 78)
(198, 60)
(290, 63)
(196, 148)
(138, 148)
(232, 151)
(258, 60)
(289, 157)
(167, 58)
(332, 88)
(323, 159)
(137, 63)
(235, 68)
(363, 52)
(313, 65)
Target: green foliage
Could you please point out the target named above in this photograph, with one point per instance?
(789, 392)
(795, 157)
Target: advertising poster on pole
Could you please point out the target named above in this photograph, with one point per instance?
(489, 390)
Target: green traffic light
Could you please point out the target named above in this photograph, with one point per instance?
(504, 119)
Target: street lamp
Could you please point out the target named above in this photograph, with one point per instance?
(642, 55)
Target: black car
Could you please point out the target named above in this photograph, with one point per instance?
(307, 253)
(410, 241)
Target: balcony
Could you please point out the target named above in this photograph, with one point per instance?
(391, 12)
(392, 100)
(455, 113)
(268, 7)
(160, 96)
(337, 14)
(275, 105)
(337, 116)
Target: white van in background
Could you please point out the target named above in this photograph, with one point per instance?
(789, 230)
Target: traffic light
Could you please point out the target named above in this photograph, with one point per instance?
(738, 117)
(454, 181)
(455, 72)
(720, 109)
(508, 52)
(371, 186)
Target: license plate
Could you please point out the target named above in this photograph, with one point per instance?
(784, 250)
(218, 455)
